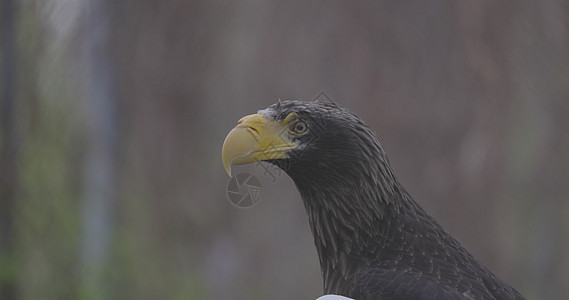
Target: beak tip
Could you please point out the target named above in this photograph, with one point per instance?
(238, 145)
(227, 169)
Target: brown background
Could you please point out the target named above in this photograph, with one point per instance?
(113, 115)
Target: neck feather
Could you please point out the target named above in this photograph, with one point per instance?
(350, 213)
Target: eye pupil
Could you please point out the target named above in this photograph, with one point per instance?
(299, 127)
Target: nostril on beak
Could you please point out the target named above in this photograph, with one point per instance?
(254, 129)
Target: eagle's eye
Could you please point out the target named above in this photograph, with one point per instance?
(298, 127)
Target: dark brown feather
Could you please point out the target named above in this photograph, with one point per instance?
(373, 240)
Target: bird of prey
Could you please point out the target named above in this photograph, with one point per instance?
(373, 240)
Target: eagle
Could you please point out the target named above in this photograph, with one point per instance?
(373, 240)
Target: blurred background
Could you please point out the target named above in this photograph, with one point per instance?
(113, 113)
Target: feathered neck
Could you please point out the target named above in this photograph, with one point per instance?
(350, 204)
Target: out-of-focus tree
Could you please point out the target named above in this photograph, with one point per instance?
(8, 148)
(101, 137)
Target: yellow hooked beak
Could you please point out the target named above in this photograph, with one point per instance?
(256, 138)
